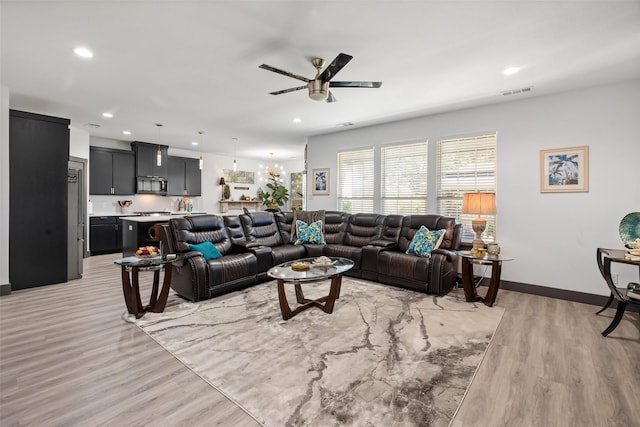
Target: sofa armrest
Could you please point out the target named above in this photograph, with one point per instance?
(443, 271)
(245, 246)
(183, 258)
(383, 243)
(190, 276)
(451, 255)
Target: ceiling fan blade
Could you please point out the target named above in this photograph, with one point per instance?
(373, 85)
(335, 66)
(293, 89)
(331, 98)
(284, 73)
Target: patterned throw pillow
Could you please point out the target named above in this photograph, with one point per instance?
(425, 241)
(309, 233)
(208, 249)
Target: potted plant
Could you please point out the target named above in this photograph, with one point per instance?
(278, 195)
(226, 192)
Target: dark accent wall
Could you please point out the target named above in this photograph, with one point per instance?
(38, 198)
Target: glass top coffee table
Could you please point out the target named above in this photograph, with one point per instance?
(284, 273)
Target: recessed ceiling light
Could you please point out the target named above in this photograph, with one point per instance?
(510, 71)
(194, 143)
(107, 115)
(83, 52)
(126, 132)
(297, 120)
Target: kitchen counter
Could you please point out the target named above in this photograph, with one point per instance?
(135, 230)
(159, 218)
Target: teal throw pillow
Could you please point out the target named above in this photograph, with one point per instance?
(425, 241)
(208, 249)
(309, 233)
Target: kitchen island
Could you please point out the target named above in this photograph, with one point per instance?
(135, 230)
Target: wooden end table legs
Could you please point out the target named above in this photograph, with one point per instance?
(131, 290)
(325, 303)
(470, 292)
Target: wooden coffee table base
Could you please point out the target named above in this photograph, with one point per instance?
(325, 303)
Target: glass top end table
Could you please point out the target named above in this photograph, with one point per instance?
(130, 268)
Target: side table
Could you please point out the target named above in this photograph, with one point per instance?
(495, 261)
(131, 267)
(605, 257)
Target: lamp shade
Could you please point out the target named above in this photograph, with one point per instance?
(222, 181)
(479, 203)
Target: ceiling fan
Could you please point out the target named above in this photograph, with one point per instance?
(319, 86)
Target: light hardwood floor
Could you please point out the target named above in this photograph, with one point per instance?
(68, 359)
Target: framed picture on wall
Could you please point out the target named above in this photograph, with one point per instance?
(321, 182)
(564, 170)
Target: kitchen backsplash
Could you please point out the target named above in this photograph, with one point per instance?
(104, 205)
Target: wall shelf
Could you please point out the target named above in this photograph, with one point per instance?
(225, 205)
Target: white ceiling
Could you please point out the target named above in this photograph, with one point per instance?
(193, 65)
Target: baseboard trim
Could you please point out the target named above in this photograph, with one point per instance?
(5, 289)
(563, 294)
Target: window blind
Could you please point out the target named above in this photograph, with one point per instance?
(465, 165)
(404, 179)
(355, 181)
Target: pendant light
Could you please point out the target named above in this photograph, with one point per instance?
(272, 170)
(235, 152)
(201, 161)
(159, 153)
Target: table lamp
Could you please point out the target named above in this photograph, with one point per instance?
(480, 204)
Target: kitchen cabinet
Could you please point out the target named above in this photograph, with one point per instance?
(111, 172)
(184, 177)
(38, 199)
(135, 234)
(147, 159)
(105, 235)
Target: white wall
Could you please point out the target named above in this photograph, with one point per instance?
(553, 237)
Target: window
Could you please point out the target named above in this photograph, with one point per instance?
(465, 165)
(404, 179)
(355, 181)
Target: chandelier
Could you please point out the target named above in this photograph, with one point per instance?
(271, 171)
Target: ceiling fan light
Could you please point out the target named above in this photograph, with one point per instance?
(318, 90)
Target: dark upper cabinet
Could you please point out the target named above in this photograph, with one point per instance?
(38, 199)
(184, 177)
(111, 171)
(193, 177)
(147, 159)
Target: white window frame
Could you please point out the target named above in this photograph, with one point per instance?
(465, 165)
(403, 178)
(356, 185)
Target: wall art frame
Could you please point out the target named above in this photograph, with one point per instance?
(321, 182)
(564, 170)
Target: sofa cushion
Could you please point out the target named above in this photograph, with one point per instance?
(307, 217)
(309, 233)
(261, 227)
(425, 241)
(208, 249)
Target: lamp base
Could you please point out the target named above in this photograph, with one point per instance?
(478, 225)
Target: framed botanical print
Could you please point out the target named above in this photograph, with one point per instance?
(564, 170)
(321, 182)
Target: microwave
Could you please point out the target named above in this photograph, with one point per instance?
(151, 185)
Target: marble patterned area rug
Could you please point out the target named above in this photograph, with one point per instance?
(385, 356)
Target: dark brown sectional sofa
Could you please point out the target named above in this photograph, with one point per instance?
(253, 242)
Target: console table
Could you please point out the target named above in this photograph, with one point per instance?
(605, 257)
(239, 205)
(495, 261)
